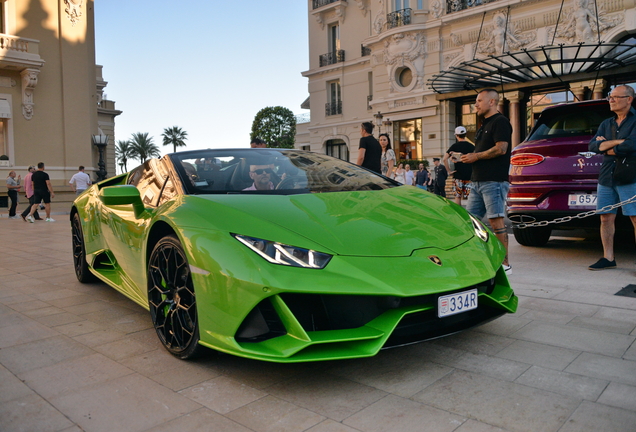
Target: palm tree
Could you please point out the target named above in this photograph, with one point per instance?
(142, 147)
(123, 152)
(174, 136)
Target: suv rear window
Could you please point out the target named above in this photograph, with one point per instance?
(570, 120)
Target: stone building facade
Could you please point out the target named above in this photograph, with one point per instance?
(414, 67)
(51, 91)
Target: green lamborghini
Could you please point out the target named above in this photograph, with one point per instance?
(286, 255)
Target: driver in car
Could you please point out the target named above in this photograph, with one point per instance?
(261, 175)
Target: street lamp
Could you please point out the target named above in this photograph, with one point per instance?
(378, 121)
(101, 141)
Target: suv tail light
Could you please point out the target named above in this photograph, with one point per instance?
(526, 159)
(523, 196)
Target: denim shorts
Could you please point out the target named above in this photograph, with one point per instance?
(606, 195)
(488, 198)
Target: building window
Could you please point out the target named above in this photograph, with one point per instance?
(3, 137)
(334, 38)
(334, 103)
(3, 27)
(338, 148)
(401, 4)
(404, 76)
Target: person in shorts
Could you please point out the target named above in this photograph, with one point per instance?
(615, 138)
(42, 191)
(491, 162)
(462, 172)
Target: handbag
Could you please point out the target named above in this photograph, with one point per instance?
(625, 168)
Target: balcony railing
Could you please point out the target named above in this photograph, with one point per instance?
(369, 99)
(399, 18)
(303, 118)
(332, 58)
(459, 5)
(366, 51)
(333, 108)
(321, 3)
(19, 53)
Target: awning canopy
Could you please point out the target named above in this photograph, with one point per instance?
(552, 61)
(5, 109)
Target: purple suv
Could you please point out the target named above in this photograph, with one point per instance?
(552, 174)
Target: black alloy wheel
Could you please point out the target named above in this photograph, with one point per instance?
(172, 300)
(82, 271)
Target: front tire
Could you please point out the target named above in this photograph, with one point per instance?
(534, 237)
(82, 271)
(172, 299)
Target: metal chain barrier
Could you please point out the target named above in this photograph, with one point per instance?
(521, 225)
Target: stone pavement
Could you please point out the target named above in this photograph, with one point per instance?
(82, 357)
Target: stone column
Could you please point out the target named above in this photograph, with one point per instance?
(515, 115)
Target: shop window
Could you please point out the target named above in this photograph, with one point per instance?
(407, 139)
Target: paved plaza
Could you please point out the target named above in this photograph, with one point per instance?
(79, 357)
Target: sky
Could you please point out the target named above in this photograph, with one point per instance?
(207, 66)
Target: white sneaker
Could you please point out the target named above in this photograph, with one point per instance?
(507, 269)
(30, 219)
(49, 220)
(13, 217)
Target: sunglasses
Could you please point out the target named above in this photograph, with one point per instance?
(262, 170)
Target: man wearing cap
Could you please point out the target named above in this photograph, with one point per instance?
(462, 172)
(28, 189)
(439, 183)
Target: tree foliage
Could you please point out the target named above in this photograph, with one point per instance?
(175, 137)
(276, 126)
(123, 152)
(143, 147)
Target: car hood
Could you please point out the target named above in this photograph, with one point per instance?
(390, 222)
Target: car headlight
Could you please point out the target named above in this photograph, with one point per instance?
(278, 253)
(480, 229)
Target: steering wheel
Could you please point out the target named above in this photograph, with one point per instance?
(292, 182)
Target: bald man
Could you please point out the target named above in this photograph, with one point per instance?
(491, 162)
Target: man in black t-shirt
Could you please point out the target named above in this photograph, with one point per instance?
(462, 172)
(491, 162)
(42, 191)
(370, 151)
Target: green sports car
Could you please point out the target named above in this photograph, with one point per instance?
(286, 255)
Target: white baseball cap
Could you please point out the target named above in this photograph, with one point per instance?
(460, 130)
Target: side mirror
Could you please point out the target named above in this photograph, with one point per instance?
(122, 195)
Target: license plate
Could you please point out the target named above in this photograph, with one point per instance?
(456, 303)
(582, 200)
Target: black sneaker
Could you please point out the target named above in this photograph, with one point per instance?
(603, 264)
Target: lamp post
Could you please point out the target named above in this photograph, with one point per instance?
(101, 141)
(378, 121)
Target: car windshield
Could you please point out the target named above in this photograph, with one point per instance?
(570, 121)
(271, 171)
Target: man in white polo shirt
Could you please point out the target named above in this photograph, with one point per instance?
(80, 181)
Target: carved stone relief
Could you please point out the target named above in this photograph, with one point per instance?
(497, 39)
(579, 23)
(362, 5)
(380, 18)
(405, 50)
(437, 8)
(29, 81)
(73, 10)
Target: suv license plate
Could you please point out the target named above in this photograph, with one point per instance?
(456, 303)
(582, 200)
